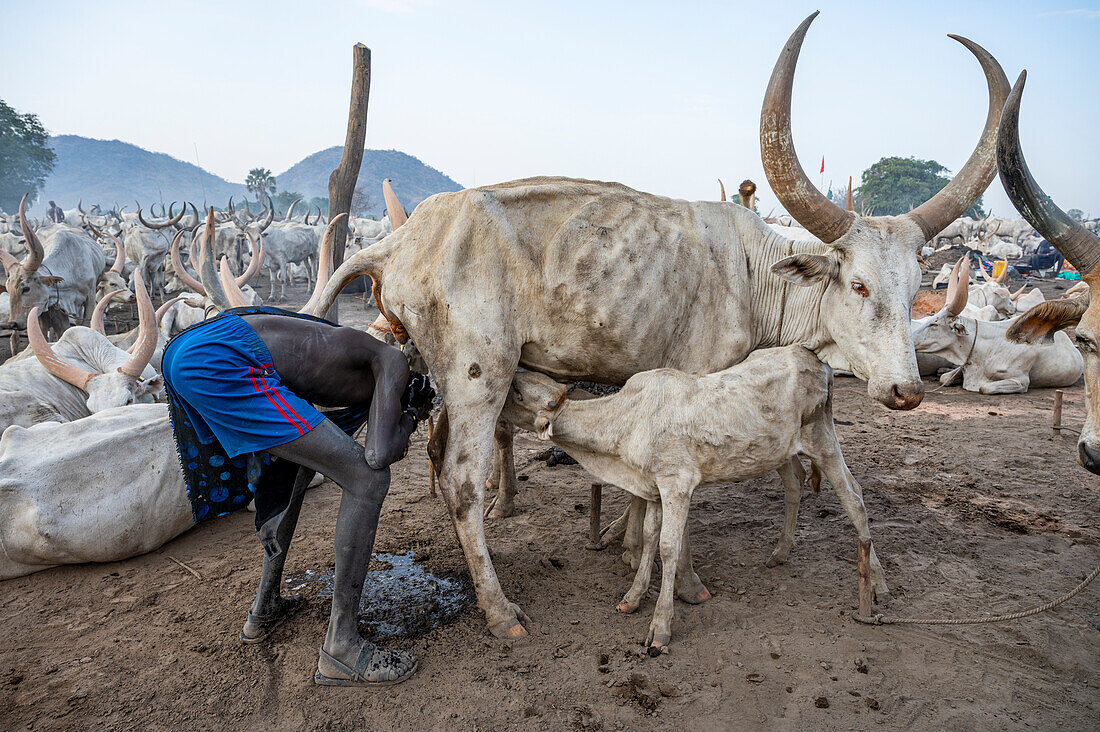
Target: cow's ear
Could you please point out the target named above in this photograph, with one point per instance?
(1045, 319)
(51, 280)
(806, 269)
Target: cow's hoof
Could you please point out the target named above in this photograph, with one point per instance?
(694, 596)
(657, 640)
(499, 510)
(626, 607)
(511, 628)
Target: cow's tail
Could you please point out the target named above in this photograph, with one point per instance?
(367, 262)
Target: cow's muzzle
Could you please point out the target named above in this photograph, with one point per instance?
(896, 394)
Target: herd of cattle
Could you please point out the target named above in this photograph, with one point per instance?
(700, 310)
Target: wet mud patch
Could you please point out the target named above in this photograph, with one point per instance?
(400, 598)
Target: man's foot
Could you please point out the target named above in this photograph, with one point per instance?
(372, 666)
(258, 628)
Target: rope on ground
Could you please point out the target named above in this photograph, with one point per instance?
(886, 620)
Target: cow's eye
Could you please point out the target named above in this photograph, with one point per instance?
(860, 288)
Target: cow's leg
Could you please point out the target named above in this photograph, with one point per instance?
(1006, 386)
(272, 269)
(651, 535)
(689, 587)
(792, 496)
(850, 493)
(632, 538)
(675, 500)
(276, 530)
(504, 473)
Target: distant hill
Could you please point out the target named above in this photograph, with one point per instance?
(413, 181)
(110, 171)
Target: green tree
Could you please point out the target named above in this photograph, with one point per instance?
(284, 200)
(25, 160)
(260, 181)
(894, 186)
(1076, 214)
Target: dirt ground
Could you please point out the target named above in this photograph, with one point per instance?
(976, 508)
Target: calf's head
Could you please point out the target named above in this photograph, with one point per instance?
(869, 267)
(26, 286)
(533, 401)
(944, 331)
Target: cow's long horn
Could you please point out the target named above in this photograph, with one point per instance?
(80, 206)
(393, 205)
(722, 190)
(977, 173)
(96, 322)
(848, 203)
(809, 206)
(164, 224)
(229, 285)
(165, 306)
(1014, 295)
(120, 255)
(8, 259)
(207, 272)
(1076, 243)
(270, 215)
(256, 261)
(290, 211)
(147, 332)
(177, 265)
(324, 265)
(35, 255)
(62, 369)
(958, 287)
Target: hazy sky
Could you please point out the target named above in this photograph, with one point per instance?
(663, 96)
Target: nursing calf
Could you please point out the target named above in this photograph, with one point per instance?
(667, 432)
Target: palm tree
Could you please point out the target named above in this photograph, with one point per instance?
(260, 181)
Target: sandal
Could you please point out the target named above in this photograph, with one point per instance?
(265, 625)
(372, 661)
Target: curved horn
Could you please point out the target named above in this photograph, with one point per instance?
(958, 287)
(978, 171)
(96, 322)
(120, 254)
(1014, 295)
(233, 293)
(722, 190)
(809, 206)
(1079, 245)
(165, 306)
(8, 259)
(181, 271)
(290, 211)
(207, 273)
(147, 332)
(80, 206)
(324, 265)
(35, 255)
(164, 224)
(270, 215)
(58, 367)
(393, 205)
(257, 260)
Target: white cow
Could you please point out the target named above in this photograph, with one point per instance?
(990, 364)
(287, 244)
(97, 489)
(667, 432)
(1013, 229)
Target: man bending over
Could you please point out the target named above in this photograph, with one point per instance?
(242, 388)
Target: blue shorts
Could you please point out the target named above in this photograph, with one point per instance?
(223, 377)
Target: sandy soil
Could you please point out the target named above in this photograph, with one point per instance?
(976, 507)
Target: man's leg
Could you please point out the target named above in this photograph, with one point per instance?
(326, 449)
(276, 530)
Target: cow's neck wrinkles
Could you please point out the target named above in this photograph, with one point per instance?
(798, 306)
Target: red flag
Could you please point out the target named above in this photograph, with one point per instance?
(822, 163)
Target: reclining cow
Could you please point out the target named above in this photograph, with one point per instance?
(987, 362)
(667, 432)
(82, 373)
(559, 275)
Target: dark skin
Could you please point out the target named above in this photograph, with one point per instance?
(335, 367)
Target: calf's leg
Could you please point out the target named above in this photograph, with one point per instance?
(675, 500)
(503, 475)
(792, 496)
(651, 527)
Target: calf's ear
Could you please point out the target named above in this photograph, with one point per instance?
(544, 428)
(806, 269)
(52, 280)
(1044, 320)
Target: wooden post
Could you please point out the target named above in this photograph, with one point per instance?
(863, 570)
(341, 184)
(1057, 424)
(594, 517)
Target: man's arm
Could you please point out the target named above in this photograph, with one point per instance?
(389, 427)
